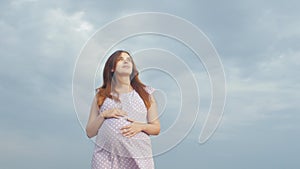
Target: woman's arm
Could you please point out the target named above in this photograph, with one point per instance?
(151, 128)
(153, 125)
(95, 120)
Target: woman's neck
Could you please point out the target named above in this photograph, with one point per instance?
(123, 84)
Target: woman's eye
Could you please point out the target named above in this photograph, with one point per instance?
(127, 59)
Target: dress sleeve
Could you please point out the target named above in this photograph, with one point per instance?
(149, 89)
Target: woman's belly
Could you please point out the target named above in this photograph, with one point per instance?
(112, 128)
(110, 138)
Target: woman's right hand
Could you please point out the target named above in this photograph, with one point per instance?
(113, 113)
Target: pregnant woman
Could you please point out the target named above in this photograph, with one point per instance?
(123, 115)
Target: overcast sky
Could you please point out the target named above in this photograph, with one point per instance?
(258, 44)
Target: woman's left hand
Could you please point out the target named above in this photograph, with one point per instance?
(132, 129)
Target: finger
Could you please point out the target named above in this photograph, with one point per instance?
(119, 112)
(120, 115)
(131, 134)
(116, 116)
(122, 112)
(126, 127)
(126, 132)
(130, 120)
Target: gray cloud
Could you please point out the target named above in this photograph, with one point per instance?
(258, 44)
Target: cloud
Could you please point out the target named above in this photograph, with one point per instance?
(20, 3)
(257, 42)
(37, 59)
(268, 93)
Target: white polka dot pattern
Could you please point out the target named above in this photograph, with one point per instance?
(115, 151)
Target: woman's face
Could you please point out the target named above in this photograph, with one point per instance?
(124, 64)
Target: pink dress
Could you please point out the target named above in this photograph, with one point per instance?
(115, 151)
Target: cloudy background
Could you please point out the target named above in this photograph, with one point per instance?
(258, 43)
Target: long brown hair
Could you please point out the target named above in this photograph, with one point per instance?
(105, 90)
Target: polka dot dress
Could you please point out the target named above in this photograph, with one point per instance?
(115, 151)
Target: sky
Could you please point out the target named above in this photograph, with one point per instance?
(257, 43)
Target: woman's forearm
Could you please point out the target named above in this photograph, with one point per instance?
(93, 127)
(151, 128)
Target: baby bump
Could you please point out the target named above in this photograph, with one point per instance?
(115, 124)
(110, 138)
(111, 129)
